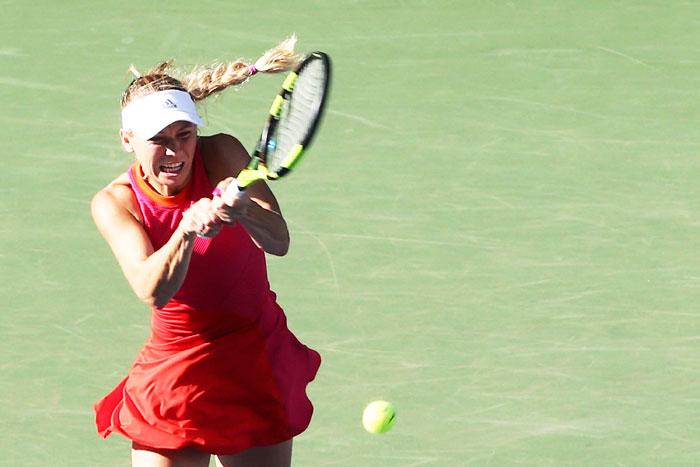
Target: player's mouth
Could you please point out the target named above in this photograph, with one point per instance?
(174, 168)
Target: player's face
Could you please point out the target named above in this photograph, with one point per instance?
(166, 159)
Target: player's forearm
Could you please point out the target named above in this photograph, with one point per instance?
(161, 275)
(267, 228)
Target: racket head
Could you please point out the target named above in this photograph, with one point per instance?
(295, 115)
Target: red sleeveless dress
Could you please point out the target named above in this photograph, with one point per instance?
(220, 371)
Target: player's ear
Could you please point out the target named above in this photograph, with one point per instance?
(125, 137)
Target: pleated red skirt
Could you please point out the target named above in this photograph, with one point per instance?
(222, 396)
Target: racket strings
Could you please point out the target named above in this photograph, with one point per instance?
(299, 113)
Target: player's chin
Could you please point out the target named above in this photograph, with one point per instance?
(175, 180)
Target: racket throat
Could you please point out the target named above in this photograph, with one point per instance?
(249, 176)
(255, 159)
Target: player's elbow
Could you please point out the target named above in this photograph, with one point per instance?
(279, 250)
(148, 298)
(277, 245)
(154, 301)
(158, 303)
(275, 248)
(151, 297)
(281, 246)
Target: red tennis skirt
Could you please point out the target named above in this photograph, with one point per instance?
(221, 395)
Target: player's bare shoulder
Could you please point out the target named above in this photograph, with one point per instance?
(117, 198)
(223, 156)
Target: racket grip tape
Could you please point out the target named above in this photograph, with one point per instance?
(231, 190)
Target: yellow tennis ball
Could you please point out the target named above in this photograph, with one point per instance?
(379, 416)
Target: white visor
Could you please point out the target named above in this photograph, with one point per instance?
(147, 115)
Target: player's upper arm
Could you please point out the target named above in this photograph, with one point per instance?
(225, 157)
(122, 231)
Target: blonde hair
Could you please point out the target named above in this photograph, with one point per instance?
(204, 81)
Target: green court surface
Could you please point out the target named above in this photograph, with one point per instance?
(498, 228)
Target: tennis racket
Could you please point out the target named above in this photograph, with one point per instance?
(294, 117)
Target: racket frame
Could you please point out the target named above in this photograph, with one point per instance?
(257, 169)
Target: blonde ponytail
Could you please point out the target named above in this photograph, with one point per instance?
(205, 81)
(280, 58)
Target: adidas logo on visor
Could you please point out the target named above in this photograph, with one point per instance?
(168, 104)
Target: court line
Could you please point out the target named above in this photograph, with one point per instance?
(21, 83)
(327, 253)
(70, 332)
(421, 35)
(620, 54)
(533, 51)
(330, 261)
(357, 118)
(386, 239)
(671, 435)
(541, 104)
(415, 461)
(12, 52)
(84, 318)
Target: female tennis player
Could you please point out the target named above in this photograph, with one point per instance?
(220, 374)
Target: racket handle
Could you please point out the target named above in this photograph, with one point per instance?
(245, 178)
(233, 190)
